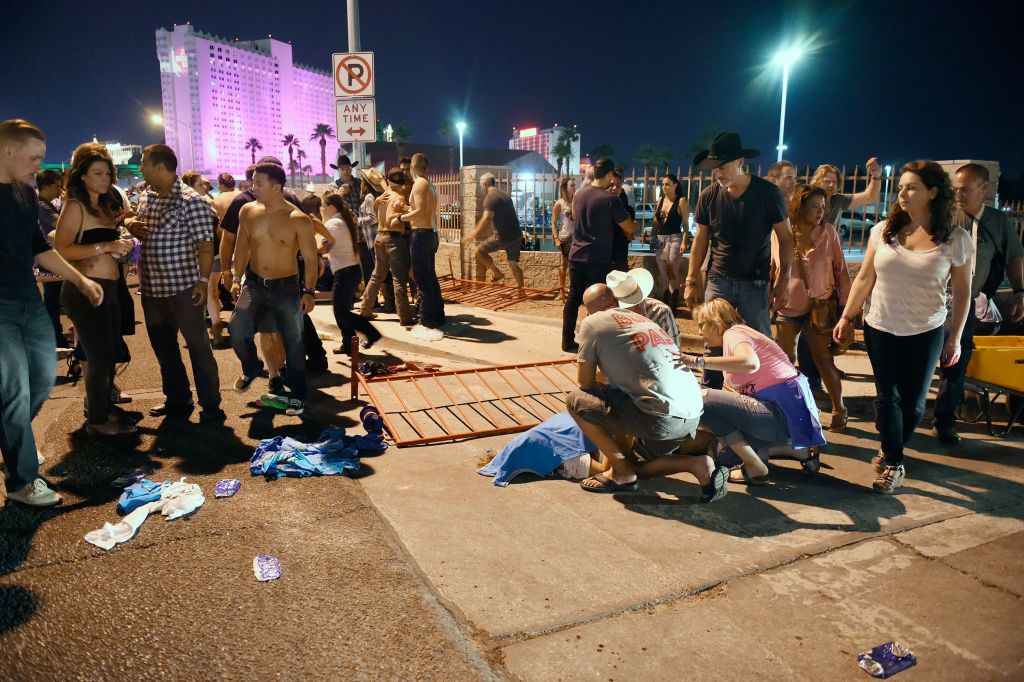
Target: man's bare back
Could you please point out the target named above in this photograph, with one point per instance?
(273, 237)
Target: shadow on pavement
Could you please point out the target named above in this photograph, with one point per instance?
(17, 606)
(473, 328)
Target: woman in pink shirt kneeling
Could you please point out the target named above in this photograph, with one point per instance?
(819, 285)
(770, 413)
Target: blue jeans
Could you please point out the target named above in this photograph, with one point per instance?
(903, 367)
(282, 299)
(27, 368)
(749, 297)
(422, 246)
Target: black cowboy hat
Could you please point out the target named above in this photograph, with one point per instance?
(343, 160)
(725, 147)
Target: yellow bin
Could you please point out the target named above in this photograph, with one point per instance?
(998, 360)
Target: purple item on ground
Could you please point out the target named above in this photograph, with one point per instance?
(371, 419)
(886, 660)
(266, 568)
(130, 478)
(227, 487)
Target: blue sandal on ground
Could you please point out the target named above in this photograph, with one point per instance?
(608, 485)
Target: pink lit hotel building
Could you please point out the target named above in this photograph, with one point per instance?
(226, 92)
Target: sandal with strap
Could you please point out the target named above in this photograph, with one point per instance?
(747, 479)
(839, 419)
(811, 464)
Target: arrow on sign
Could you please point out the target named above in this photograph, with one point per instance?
(356, 131)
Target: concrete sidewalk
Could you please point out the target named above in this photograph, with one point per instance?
(788, 581)
(422, 569)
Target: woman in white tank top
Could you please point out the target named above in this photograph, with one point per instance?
(910, 260)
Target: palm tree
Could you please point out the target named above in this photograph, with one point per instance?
(399, 134)
(602, 151)
(291, 143)
(300, 157)
(321, 132)
(656, 158)
(447, 131)
(563, 147)
(252, 145)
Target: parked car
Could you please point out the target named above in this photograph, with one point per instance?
(854, 226)
(645, 211)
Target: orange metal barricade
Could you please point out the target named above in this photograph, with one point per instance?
(434, 407)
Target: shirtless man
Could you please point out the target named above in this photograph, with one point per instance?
(271, 232)
(420, 214)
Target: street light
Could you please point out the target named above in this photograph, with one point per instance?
(461, 127)
(786, 59)
(157, 119)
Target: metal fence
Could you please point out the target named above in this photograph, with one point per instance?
(449, 208)
(534, 195)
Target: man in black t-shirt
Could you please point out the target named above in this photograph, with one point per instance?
(27, 366)
(500, 216)
(737, 214)
(598, 215)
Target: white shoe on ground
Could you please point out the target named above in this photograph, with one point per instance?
(35, 494)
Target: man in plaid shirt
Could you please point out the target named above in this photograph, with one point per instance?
(176, 227)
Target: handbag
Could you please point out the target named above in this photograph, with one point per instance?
(824, 312)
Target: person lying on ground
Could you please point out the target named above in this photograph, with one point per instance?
(646, 395)
(556, 446)
(772, 411)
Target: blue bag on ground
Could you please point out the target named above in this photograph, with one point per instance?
(540, 450)
(333, 454)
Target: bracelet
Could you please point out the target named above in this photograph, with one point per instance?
(700, 362)
(204, 279)
(307, 292)
(691, 280)
(847, 318)
(99, 249)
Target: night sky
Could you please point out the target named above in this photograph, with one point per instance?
(895, 79)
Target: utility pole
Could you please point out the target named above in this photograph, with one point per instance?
(358, 148)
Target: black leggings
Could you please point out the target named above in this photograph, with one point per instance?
(99, 330)
(346, 281)
(903, 367)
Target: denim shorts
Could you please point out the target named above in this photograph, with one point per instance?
(617, 413)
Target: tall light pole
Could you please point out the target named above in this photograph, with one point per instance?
(461, 127)
(157, 119)
(358, 148)
(785, 59)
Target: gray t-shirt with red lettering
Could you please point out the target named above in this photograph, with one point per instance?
(638, 356)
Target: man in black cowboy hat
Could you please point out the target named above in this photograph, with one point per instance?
(737, 214)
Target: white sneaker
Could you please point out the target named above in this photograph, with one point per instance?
(35, 494)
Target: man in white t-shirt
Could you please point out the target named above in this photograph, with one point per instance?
(646, 396)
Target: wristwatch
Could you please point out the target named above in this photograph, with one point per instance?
(307, 292)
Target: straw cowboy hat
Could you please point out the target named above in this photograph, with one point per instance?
(630, 287)
(375, 178)
(725, 147)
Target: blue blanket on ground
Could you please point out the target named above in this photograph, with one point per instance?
(333, 454)
(540, 450)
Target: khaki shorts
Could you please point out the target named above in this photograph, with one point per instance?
(511, 248)
(615, 412)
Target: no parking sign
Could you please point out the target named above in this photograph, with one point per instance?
(353, 74)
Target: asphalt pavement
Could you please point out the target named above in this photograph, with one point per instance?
(421, 569)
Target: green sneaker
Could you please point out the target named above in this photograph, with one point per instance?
(275, 400)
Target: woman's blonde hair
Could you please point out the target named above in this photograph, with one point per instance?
(718, 312)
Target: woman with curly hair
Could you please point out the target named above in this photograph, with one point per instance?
(87, 236)
(909, 262)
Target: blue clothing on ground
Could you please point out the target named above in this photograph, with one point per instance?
(333, 454)
(540, 450)
(796, 401)
(138, 494)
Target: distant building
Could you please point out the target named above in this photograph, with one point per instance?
(543, 142)
(123, 154)
(228, 92)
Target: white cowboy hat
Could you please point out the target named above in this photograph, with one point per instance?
(630, 287)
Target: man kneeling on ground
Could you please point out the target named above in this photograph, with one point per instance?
(646, 397)
(270, 234)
